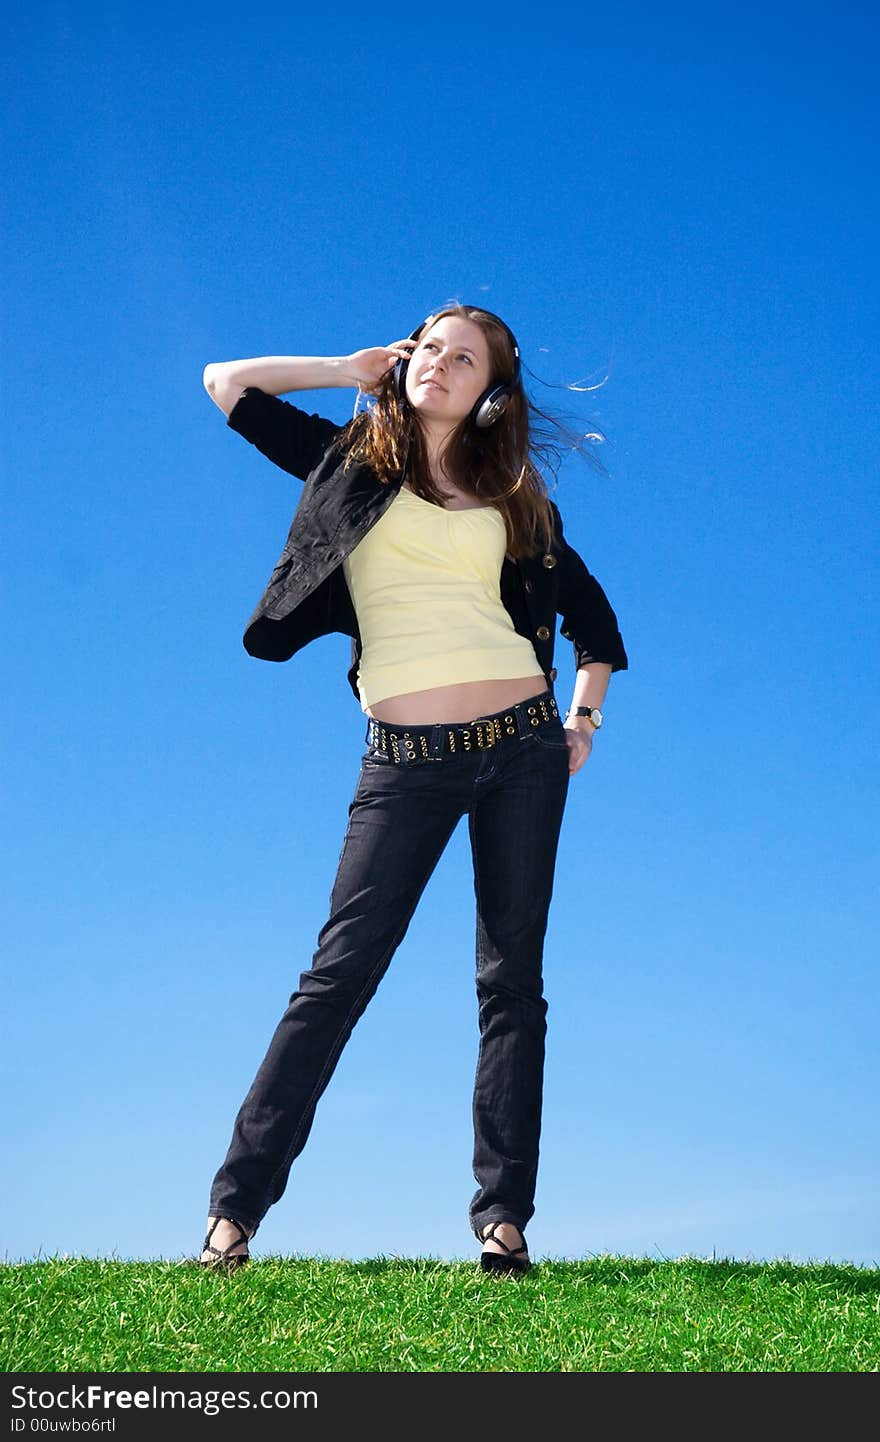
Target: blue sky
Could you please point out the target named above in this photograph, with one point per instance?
(680, 200)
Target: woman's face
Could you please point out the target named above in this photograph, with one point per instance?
(449, 370)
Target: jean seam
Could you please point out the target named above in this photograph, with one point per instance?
(342, 849)
(472, 827)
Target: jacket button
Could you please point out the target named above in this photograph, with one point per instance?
(529, 585)
(549, 561)
(542, 633)
(553, 673)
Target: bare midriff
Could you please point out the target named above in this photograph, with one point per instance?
(465, 701)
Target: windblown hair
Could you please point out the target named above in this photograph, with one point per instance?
(495, 464)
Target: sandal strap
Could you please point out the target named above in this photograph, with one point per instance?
(488, 1234)
(236, 1241)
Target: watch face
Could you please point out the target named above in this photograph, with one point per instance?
(596, 716)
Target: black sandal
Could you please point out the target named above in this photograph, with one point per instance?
(222, 1260)
(508, 1261)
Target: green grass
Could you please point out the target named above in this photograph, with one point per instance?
(611, 1314)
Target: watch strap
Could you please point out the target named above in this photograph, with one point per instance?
(583, 711)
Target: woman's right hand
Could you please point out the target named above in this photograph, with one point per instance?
(367, 368)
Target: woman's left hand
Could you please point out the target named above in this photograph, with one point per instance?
(580, 744)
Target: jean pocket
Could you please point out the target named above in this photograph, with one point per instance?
(372, 757)
(552, 737)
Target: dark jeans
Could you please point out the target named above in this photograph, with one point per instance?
(400, 821)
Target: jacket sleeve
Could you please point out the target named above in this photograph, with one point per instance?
(588, 620)
(283, 433)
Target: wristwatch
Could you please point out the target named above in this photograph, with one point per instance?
(593, 712)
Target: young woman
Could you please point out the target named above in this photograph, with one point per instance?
(425, 532)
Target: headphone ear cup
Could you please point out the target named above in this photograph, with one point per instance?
(491, 406)
(399, 379)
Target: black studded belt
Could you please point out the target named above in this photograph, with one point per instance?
(445, 738)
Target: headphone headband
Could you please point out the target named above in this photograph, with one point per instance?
(494, 401)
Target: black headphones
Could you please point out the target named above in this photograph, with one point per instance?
(494, 401)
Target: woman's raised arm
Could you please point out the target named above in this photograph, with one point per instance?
(279, 374)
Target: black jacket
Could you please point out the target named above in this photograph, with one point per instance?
(307, 595)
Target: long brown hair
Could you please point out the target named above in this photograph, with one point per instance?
(494, 464)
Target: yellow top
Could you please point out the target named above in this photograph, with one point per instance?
(426, 588)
